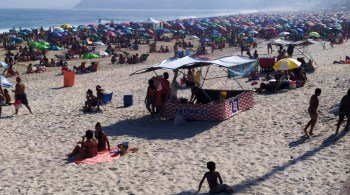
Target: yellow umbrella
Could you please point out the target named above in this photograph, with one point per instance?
(286, 64)
(66, 26)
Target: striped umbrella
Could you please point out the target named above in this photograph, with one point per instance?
(286, 64)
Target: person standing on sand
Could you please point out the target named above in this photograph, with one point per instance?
(313, 112)
(21, 95)
(344, 110)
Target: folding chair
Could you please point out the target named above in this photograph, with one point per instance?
(107, 99)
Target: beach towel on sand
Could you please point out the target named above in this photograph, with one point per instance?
(103, 156)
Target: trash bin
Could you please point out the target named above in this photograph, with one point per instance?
(68, 78)
(128, 100)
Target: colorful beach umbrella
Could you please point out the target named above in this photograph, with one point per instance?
(284, 33)
(314, 34)
(54, 48)
(66, 26)
(286, 64)
(91, 56)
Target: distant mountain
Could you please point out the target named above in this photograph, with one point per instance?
(206, 4)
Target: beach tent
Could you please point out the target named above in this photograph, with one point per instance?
(155, 23)
(102, 54)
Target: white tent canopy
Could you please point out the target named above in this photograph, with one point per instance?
(197, 61)
(152, 21)
(155, 23)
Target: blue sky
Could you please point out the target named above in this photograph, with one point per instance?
(38, 3)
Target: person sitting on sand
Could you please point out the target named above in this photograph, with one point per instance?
(102, 140)
(52, 63)
(212, 177)
(88, 147)
(91, 101)
(7, 96)
(344, 110)
(30, 69)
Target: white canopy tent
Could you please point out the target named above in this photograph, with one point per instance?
(155, 23)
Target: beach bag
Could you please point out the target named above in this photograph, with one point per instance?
(18, 104)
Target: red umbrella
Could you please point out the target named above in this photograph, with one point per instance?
(110, 33)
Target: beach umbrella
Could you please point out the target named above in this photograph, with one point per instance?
(4, 82)
(252, 32)
(54, 48)
(44, 43)
(110, 33)
(58, 29)
(141, 29)
(251, 39)
(4, 65)
(286, 64)
(314, 34)
(42, 47)
(98, 43)
(102, 54)
(193, 37)
(66, 26)
(32, 44)
(284, 33)
(55, 34)
(90, 56)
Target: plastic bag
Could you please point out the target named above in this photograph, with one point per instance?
(17, 104)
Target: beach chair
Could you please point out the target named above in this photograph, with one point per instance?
(143, 57)
(107, 99)
(266, 64)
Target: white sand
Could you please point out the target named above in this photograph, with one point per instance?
(259, 151)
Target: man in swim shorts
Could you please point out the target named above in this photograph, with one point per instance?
(344, 110)
(21, 95)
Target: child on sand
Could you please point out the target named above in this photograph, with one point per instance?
(212, 178)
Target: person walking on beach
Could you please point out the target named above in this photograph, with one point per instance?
(344, 110)
(20, 94)
(313, 112)
(212, 177)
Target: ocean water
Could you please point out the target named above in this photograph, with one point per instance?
(35, 18)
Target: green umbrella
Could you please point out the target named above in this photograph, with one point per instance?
(32, 44)
(91, 56)
(42, 47)
(314, 34)
(44, 43)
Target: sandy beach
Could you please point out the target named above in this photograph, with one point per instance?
(259, 151)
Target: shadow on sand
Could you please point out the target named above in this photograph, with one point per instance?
(146, 128)
(331, 140)
(244, 186)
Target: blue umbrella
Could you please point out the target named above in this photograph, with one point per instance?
(54, 48)
(251, 39)
(253, 32)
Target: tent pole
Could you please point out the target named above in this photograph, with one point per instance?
(234, 79)
(205, 75)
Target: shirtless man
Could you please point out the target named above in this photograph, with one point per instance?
(212, 177)
(313, 112)
(344, 110)
(21, 95)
